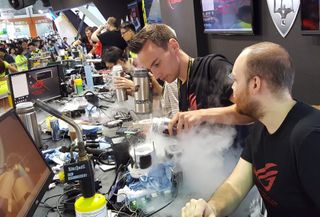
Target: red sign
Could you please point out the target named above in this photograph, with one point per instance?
(173, 3)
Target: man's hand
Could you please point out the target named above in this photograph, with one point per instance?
(123, 83)
(185, 120)
(197, 208)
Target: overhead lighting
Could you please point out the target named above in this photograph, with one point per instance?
(49, 16)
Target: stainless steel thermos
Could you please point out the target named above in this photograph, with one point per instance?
(28, 117)
(120, 93)
(143, 93)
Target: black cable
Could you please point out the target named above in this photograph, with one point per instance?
(48, 198)
(93, 106)
(115, 178)
(60, 197)
(119, 209)
(106, 155)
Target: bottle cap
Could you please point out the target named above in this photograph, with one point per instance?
(78, 81)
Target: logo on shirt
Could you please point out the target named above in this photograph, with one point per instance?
(267, 175)
(192, 102)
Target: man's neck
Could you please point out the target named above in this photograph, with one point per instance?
(112, 28)
(183, 69)
(276, 112)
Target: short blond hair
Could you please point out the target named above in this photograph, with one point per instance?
(112, 21)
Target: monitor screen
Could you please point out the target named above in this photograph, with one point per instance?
(42, 83)
(24, 174)
(228, 16)
(310, 16)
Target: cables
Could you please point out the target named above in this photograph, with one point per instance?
(59, 204)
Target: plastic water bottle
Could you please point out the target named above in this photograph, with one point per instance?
(89, 79)
(55, 129)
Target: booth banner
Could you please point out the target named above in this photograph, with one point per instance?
(6, 13)
(283, 14)
(65, 27)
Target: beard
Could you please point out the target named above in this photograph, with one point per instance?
(248, 107)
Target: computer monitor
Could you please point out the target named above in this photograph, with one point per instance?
(229, 17)
(42, 83)
(24, 174)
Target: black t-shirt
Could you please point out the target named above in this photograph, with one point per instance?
(286, 164)
(208, 84)
(112, 38)
(8, 58)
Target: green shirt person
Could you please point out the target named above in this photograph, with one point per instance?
(20, 60)
(3, 79)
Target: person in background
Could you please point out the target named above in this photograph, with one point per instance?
(21, 61)
(86, 40)
(115, 56)
(4, 67)
(127, 31)
(37, 43)
(244, 16)
(64, 43)
(3, 45)
(97, 47)
(202, 82)
(5, 56)
(34, 51)
(110, 37)
(12, 51)
(282, 151)
(24, 45)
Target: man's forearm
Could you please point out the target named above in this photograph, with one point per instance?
(94, 36)
(225, 115)
(225, 200)
(76, 43)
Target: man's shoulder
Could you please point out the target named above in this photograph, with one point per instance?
(308, 121)
(213, 58)
(107, 37)
(110, 34)
(212, 63)
(306, 114)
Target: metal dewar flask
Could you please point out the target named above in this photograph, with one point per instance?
(28, 117)
(120, 93)
(143, 93)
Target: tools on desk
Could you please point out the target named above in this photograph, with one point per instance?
(90, 202)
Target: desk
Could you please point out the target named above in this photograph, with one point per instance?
(185, 194)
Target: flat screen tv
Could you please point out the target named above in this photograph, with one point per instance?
(228, 16)
(310, 16)
(24, 174)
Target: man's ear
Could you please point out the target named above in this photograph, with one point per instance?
(173, 44)
(255, 84)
